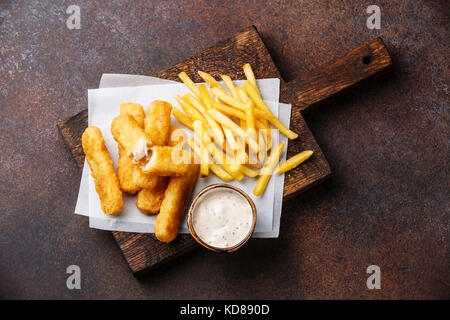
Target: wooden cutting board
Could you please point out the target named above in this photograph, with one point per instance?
(143, 251)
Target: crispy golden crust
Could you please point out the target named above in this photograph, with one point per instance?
(106, 181)
(157, 122)
(149, 200)
(127, 132)
(167, 161)
(131, 177)
(174, 204)
(135, 110)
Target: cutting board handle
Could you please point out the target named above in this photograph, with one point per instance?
(331, 78)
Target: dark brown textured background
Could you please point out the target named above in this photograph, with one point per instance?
(386, 141)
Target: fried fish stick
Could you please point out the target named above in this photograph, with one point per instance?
(106, 181)
(127, 132)
(149, 201)
(131, 177)
(135, 110)
(174, 204)
(166, 161)
(157, 122)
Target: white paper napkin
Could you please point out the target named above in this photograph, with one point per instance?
(104, 104)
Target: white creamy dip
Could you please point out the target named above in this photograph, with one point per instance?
(222, 217)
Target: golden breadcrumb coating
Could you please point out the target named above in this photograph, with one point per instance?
(106, 181)
(149, 200)
(157, 122)
(135, 110)
(174, 204)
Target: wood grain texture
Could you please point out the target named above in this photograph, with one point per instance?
(143, 251)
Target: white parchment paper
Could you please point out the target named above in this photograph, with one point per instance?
(104, 106)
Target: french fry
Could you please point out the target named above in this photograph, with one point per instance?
(230, 86)
(215, 168)
(294, 161)
(242, 95)
(262, 145)
(248, 172)
(106, 181)
(184, 119)
(221, 158)
(230, 138)
(250, 119)
(223, 96)
(189, 98)
(206, 97)
(230, 111)
(268, 169)
(254, 94)
(241, 154)
(209, 79)
(227, 122)
(266, 113)
(193, 113)
(204, 156)
(190, 84)
(220, 172)
(254, 165)
(249, 74)
(211, 123)
(264, 125)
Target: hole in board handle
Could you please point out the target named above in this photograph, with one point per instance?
(367, 59)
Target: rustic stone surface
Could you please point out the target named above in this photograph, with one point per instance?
(386, 141)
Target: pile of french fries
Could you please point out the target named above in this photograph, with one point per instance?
(234, 130)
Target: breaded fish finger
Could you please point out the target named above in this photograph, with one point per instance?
(157, 122)
(131, 177)
(135, 110)
(130, 135)
(149, 200)
(174, 204)
(106, 181)
(167, 161)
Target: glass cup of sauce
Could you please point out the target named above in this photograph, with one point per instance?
(222, 218)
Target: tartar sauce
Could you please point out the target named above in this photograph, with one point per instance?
(222, 218)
